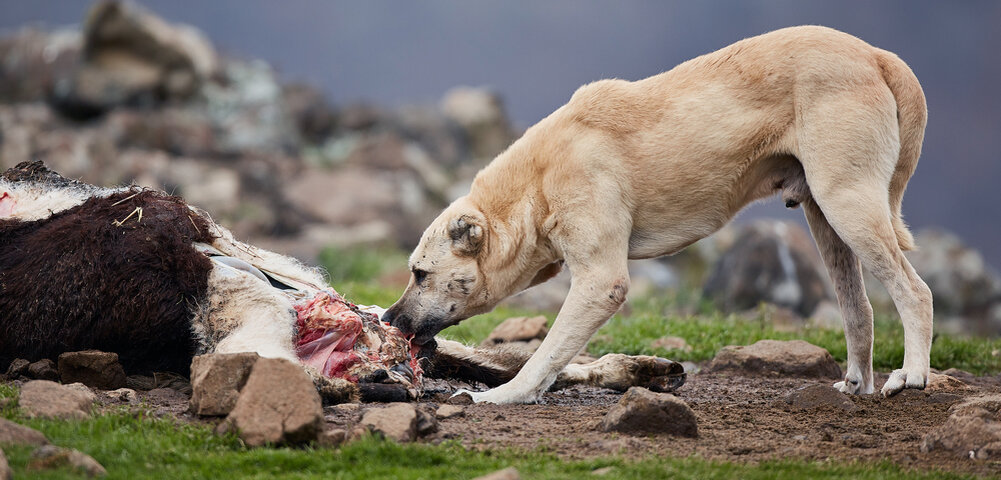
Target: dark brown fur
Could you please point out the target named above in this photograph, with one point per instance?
(77, 280)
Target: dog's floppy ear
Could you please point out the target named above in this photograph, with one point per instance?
(466, 233)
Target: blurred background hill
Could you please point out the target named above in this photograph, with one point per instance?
(302, 125)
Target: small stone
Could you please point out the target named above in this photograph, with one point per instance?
(93, 368)
(12, 434)
(50, 456)
(216, 381)
(47, 399)
(775, 357)
(278, 404)
(43, 369)
(509, 473)
(671, 343)
(426, 422)
(333, 438)
(17, 368)
(945, 383)
(819, 396)
(450, 411)
(643, 411)
(398, 421)
(602, 471)
(126, 395)
(518, 329)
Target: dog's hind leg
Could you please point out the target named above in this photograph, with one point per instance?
(849, 150)
(846, 275)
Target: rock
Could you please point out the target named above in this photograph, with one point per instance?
(126, 395)
(774, 357)
(92, 368)
(945, 383)
(398, 422)
(481, 113)
(973, 430)
(818, 396)
(32, 59)
(518, 329)
(216, 381)
(5, 472)
(509, 473)
(18, 368)
(47, 399)
(962, 284)
(427, 423)
(333, 438)
(603, 471)
(643, 411)
(278, 404)
(50, 456)
(43, 369)
(450, 411)
(826, 315)
(773, 262)
(671, 343)
(13, 434)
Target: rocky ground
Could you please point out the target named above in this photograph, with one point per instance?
(742, 408)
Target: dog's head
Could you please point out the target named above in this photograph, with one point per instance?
(462, 267)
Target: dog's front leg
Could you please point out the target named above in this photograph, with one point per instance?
(595, 295)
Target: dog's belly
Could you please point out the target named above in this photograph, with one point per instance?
(654, 239)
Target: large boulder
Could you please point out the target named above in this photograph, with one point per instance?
(641, 411)
(92, 368)
(278, 405)
(14, 434)
(216, 381)
(772, 262)
(973, 430)
(775, 357)
(47, 399)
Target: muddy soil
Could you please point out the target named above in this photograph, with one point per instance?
(741, 419)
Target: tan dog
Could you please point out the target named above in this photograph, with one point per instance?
(642, 169)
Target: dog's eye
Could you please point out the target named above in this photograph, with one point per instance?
(419, 275)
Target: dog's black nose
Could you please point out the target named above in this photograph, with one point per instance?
(394, 318)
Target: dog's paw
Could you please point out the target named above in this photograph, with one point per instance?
(620, 372)
(901, 379)
(854, 384)
(498, 396)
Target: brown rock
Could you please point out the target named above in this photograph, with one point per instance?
(333, 438)
(43, 369)
(427, 423)
(50, 456)
(671, 343)
(818, 396)
(92, 368)
(16, 434)
(518, 329)
(5, 473)
(509, 473)
(945, 383)
(774, 357)
(278, 404)
(47, 399)
(17, 368)
(643, 411)
(398, 421)
(973, 430)
(216, 380)
(450, 411)
(126, 395)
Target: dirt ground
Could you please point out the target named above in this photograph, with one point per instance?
(741, 419)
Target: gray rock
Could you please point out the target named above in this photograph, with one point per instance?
(47, 399)
(126, 395)
(16, 434)
(43, 369)
(509, 473)
(973, 430)
(397, 421)
(641, 411)
(772, 262)
(518, 329)
(818, 396)
(450, 411)
(92, 368)
(216, 381)
(278, 404)
(18, 368)
(427, 423)
(50, 456)
(774, 357)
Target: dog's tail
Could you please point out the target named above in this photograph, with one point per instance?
(912, 115)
